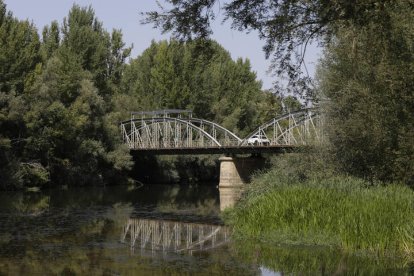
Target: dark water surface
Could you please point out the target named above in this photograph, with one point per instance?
(150, 230)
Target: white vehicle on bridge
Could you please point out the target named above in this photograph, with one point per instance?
(258, 140)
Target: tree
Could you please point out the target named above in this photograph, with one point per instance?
(19, 62)
(366, 83)
(51, 40)
(57, 101)
(19, 52)
(102, 54)
(67, 128)
(70, 119)
(178, 75)
(287, 26)
(365, 80)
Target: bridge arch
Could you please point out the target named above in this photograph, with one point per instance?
(293, 129)
(170, 133)
(220, 133)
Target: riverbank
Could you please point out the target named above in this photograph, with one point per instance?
(337, 211)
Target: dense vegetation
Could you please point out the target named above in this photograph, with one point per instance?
(366, 77)
(63, 95)
(366, 84)
(286, 26)
(290, 205)
(200, 76)
(365, 88)
(56, 101)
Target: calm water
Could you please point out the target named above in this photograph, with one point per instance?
(149, 230)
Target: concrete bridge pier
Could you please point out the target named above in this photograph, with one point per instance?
(235, 172)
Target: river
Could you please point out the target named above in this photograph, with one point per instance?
(150, 230)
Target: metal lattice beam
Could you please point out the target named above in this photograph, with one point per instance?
(176, 129)
(292, 129)
(221, 134)
(151, 133)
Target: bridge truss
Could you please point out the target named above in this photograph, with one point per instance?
(178, 130)
(174, 129)
(302, 127)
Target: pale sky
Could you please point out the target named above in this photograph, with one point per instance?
(125, 15)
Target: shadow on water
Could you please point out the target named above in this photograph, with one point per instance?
(153, 230)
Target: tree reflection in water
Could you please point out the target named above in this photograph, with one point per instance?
(172, 230)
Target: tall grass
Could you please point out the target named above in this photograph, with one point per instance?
(341, 211)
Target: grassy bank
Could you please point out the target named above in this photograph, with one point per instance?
(338, 211)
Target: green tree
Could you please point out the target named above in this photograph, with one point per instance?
(366, 77)
(67, 127)
(99, 52)
(19, 52)
(286, 26)
(366, 82)
(50, 40)
(19, 64)
(57, 102)
(177, 75)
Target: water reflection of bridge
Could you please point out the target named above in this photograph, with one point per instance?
(173, 236)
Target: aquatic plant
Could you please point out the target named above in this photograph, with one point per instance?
(338, 211)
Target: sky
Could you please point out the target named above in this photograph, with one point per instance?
(125, 15)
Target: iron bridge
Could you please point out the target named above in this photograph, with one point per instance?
(176, 131)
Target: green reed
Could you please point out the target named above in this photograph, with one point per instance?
(338, 211)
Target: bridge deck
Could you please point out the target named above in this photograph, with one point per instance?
(215, 150)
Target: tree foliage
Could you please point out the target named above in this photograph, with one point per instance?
(19, 57)
(55, 100)
(62, 97)
(19, 52)
(173, 74)
(286, 26)
(366, 77)
(367, 82)
(177, 75)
